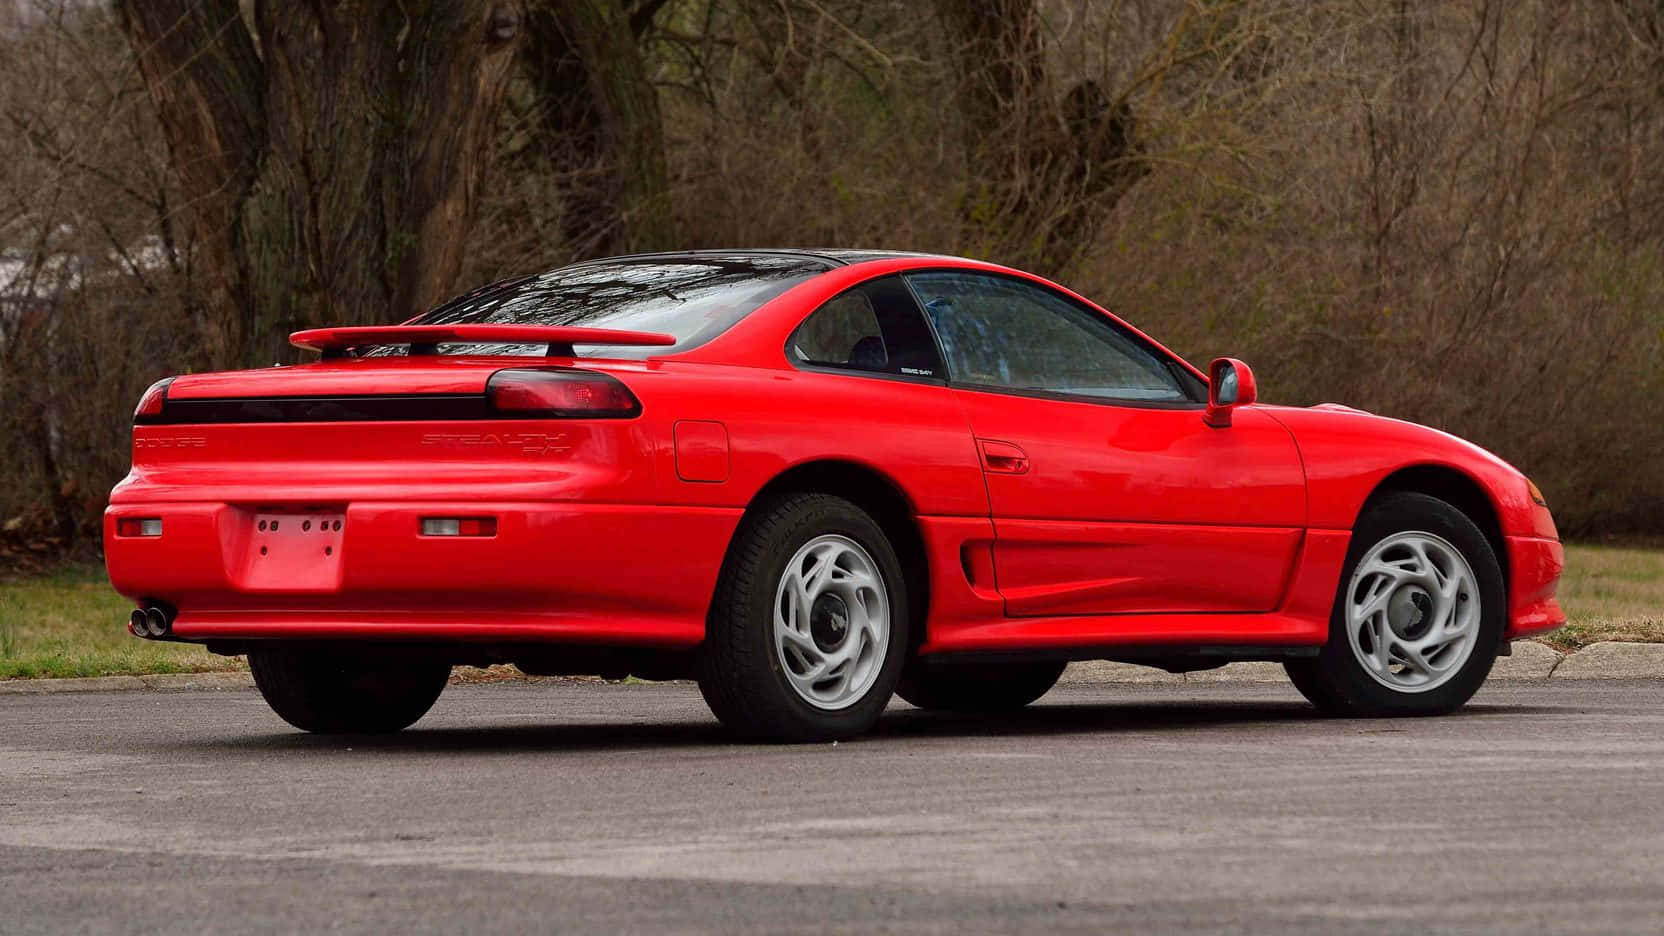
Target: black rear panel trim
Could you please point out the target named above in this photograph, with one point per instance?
(368, 408)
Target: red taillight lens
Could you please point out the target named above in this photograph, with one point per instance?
(560, 394)
(154, 399)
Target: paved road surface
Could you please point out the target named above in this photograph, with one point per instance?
(604, 808)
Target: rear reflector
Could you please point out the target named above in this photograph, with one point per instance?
(560, 394)
(154, 400)
(139, 526)
(459, 526)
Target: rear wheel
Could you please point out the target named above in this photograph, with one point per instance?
(1418, 619)
(806, 633)
(328, 694)
(977, 687)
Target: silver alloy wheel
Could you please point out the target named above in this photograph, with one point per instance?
(1412, 612)
(831, 622)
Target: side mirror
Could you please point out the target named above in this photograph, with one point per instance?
(1230, 385)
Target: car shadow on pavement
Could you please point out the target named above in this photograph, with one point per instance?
(1106, 718)
(488, 739)
(1092, 718)
(900, 724)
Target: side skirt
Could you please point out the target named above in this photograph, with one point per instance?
(1182, 658)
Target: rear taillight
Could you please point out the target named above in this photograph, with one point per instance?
(151, 404)
(139, 526)
(560, 394)
(459, 526)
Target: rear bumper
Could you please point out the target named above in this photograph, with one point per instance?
(1534, 567)
(592, 573)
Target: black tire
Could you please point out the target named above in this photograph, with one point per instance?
(977, 687)
(327, 694)
(739, 669)
(1338, 684)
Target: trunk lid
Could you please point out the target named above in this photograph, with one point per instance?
(360, 377)
(327, 434)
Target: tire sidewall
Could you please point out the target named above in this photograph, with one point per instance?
(829, 516)
(324, 694)
(1347, 679)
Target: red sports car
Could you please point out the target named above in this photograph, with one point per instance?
(808, 479)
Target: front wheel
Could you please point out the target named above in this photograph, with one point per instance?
(807, 634)
(328, 694)
(1418, 619)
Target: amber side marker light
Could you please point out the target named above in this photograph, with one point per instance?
(1536, 493)
(139, 526)
(459, 526)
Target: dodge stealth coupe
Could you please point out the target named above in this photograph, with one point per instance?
(809, 480)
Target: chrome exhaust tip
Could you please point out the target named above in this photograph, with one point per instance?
(155, 621)
(137, 623)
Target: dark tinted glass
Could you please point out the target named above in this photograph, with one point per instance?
(875, 327)
(695, 298)
(1002, 332)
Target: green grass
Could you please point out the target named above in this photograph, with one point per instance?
(1611, 593)
(71, 623)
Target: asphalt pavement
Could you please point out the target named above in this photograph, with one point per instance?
(623, 808)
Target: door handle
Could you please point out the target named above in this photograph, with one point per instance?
(1003, 457)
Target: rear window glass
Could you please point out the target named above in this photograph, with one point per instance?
(694, 298)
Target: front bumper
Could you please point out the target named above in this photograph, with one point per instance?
(595, 573)
(1534, 567)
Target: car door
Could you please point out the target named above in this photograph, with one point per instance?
(1108, 492)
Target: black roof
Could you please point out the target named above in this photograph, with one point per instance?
(831, 257)
(848, 255)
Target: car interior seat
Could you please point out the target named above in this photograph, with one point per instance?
(869, 353)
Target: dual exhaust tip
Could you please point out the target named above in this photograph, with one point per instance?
(153, 621)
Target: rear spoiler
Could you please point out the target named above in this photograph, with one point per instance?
(425, 339)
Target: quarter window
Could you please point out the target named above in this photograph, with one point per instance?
(1002, 332)
(874, 327)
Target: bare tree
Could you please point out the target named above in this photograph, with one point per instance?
(596, 122)
(331, 157)
(1045, 163)
(1446, 212)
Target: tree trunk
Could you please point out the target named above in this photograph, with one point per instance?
(199, 64)
(1047, 167)
(333, 163)
(600, 119)
(787, 46)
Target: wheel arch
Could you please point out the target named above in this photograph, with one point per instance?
(1456, 488)
(880, 496)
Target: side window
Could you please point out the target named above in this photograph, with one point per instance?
(843, 332)
(874, 327)
(1003, 332)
